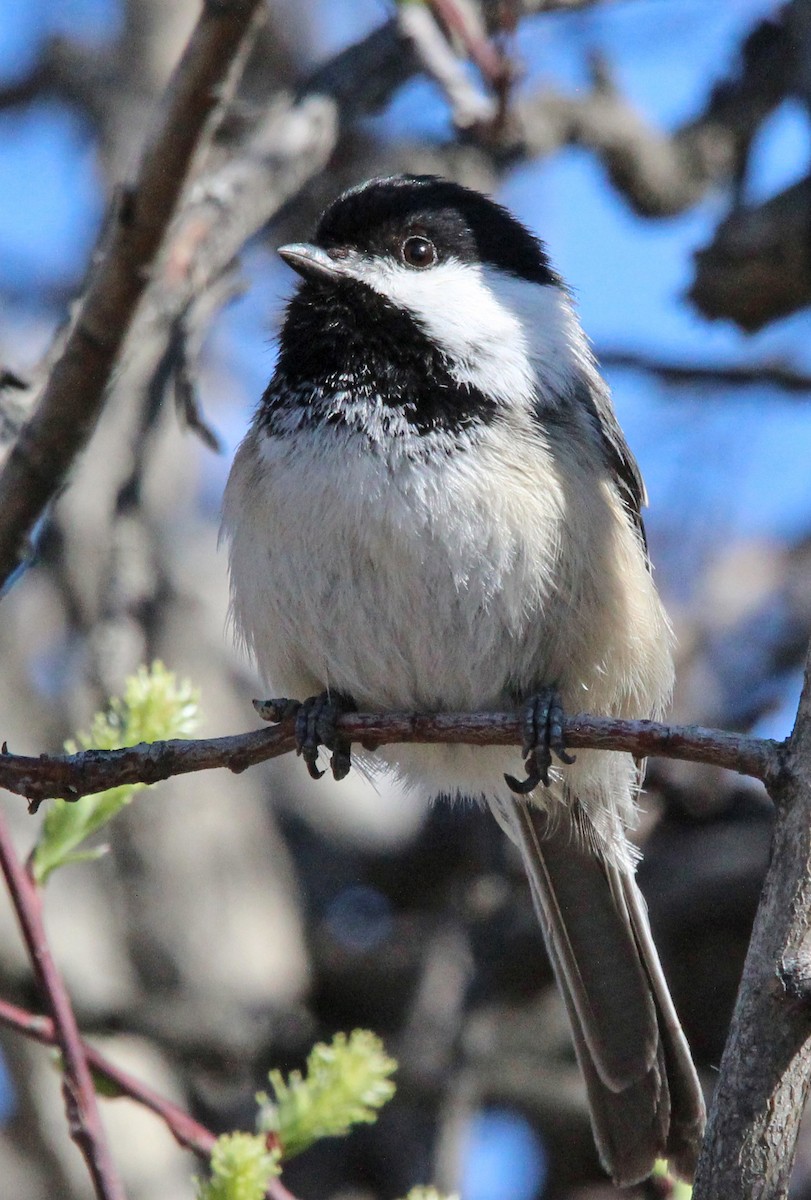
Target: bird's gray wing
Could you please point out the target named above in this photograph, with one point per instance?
(596, 401)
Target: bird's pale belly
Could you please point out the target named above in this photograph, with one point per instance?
(392, 585)
(405, 621)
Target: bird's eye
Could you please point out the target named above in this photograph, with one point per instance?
(418, 252)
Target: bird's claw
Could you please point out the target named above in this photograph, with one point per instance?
(315, 726)
(542, 717)
(316, 721)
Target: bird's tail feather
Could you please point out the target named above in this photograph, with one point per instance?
(645, 1099)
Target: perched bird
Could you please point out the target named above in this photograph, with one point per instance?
(435, 509)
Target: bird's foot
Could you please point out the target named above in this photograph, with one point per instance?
(316, 720)
(542, 719)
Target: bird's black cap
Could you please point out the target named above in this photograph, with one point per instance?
(374, 217)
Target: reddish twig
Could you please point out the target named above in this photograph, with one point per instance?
(494, 66)
(84, 1121)
(73, 775)
(187, 1132)
(471, 107)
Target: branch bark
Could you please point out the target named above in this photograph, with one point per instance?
(765, 1073)
(73, 396)
(72, 775)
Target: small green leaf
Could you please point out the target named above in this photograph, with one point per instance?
(154, 706)
(241, 1168)
(346, 1082)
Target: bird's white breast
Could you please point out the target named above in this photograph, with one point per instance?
(404, 583)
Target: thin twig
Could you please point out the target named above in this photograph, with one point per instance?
(84, 1121)
(470, 106)
(187, 1132)
(72, 775)
(74, 394)
(721, 375)
(493, 65)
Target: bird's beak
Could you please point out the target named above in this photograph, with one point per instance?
(312, 262)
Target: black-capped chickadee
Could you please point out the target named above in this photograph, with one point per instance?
(435, 509)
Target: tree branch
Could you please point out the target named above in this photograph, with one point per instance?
(765, 1073)
(72, 775)
(84, 1121)
(289, 142)
(73, 396)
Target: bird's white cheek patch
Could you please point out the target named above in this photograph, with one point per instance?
(482, 338)
(508, 337)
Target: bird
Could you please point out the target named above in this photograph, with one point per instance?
(435, 509)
